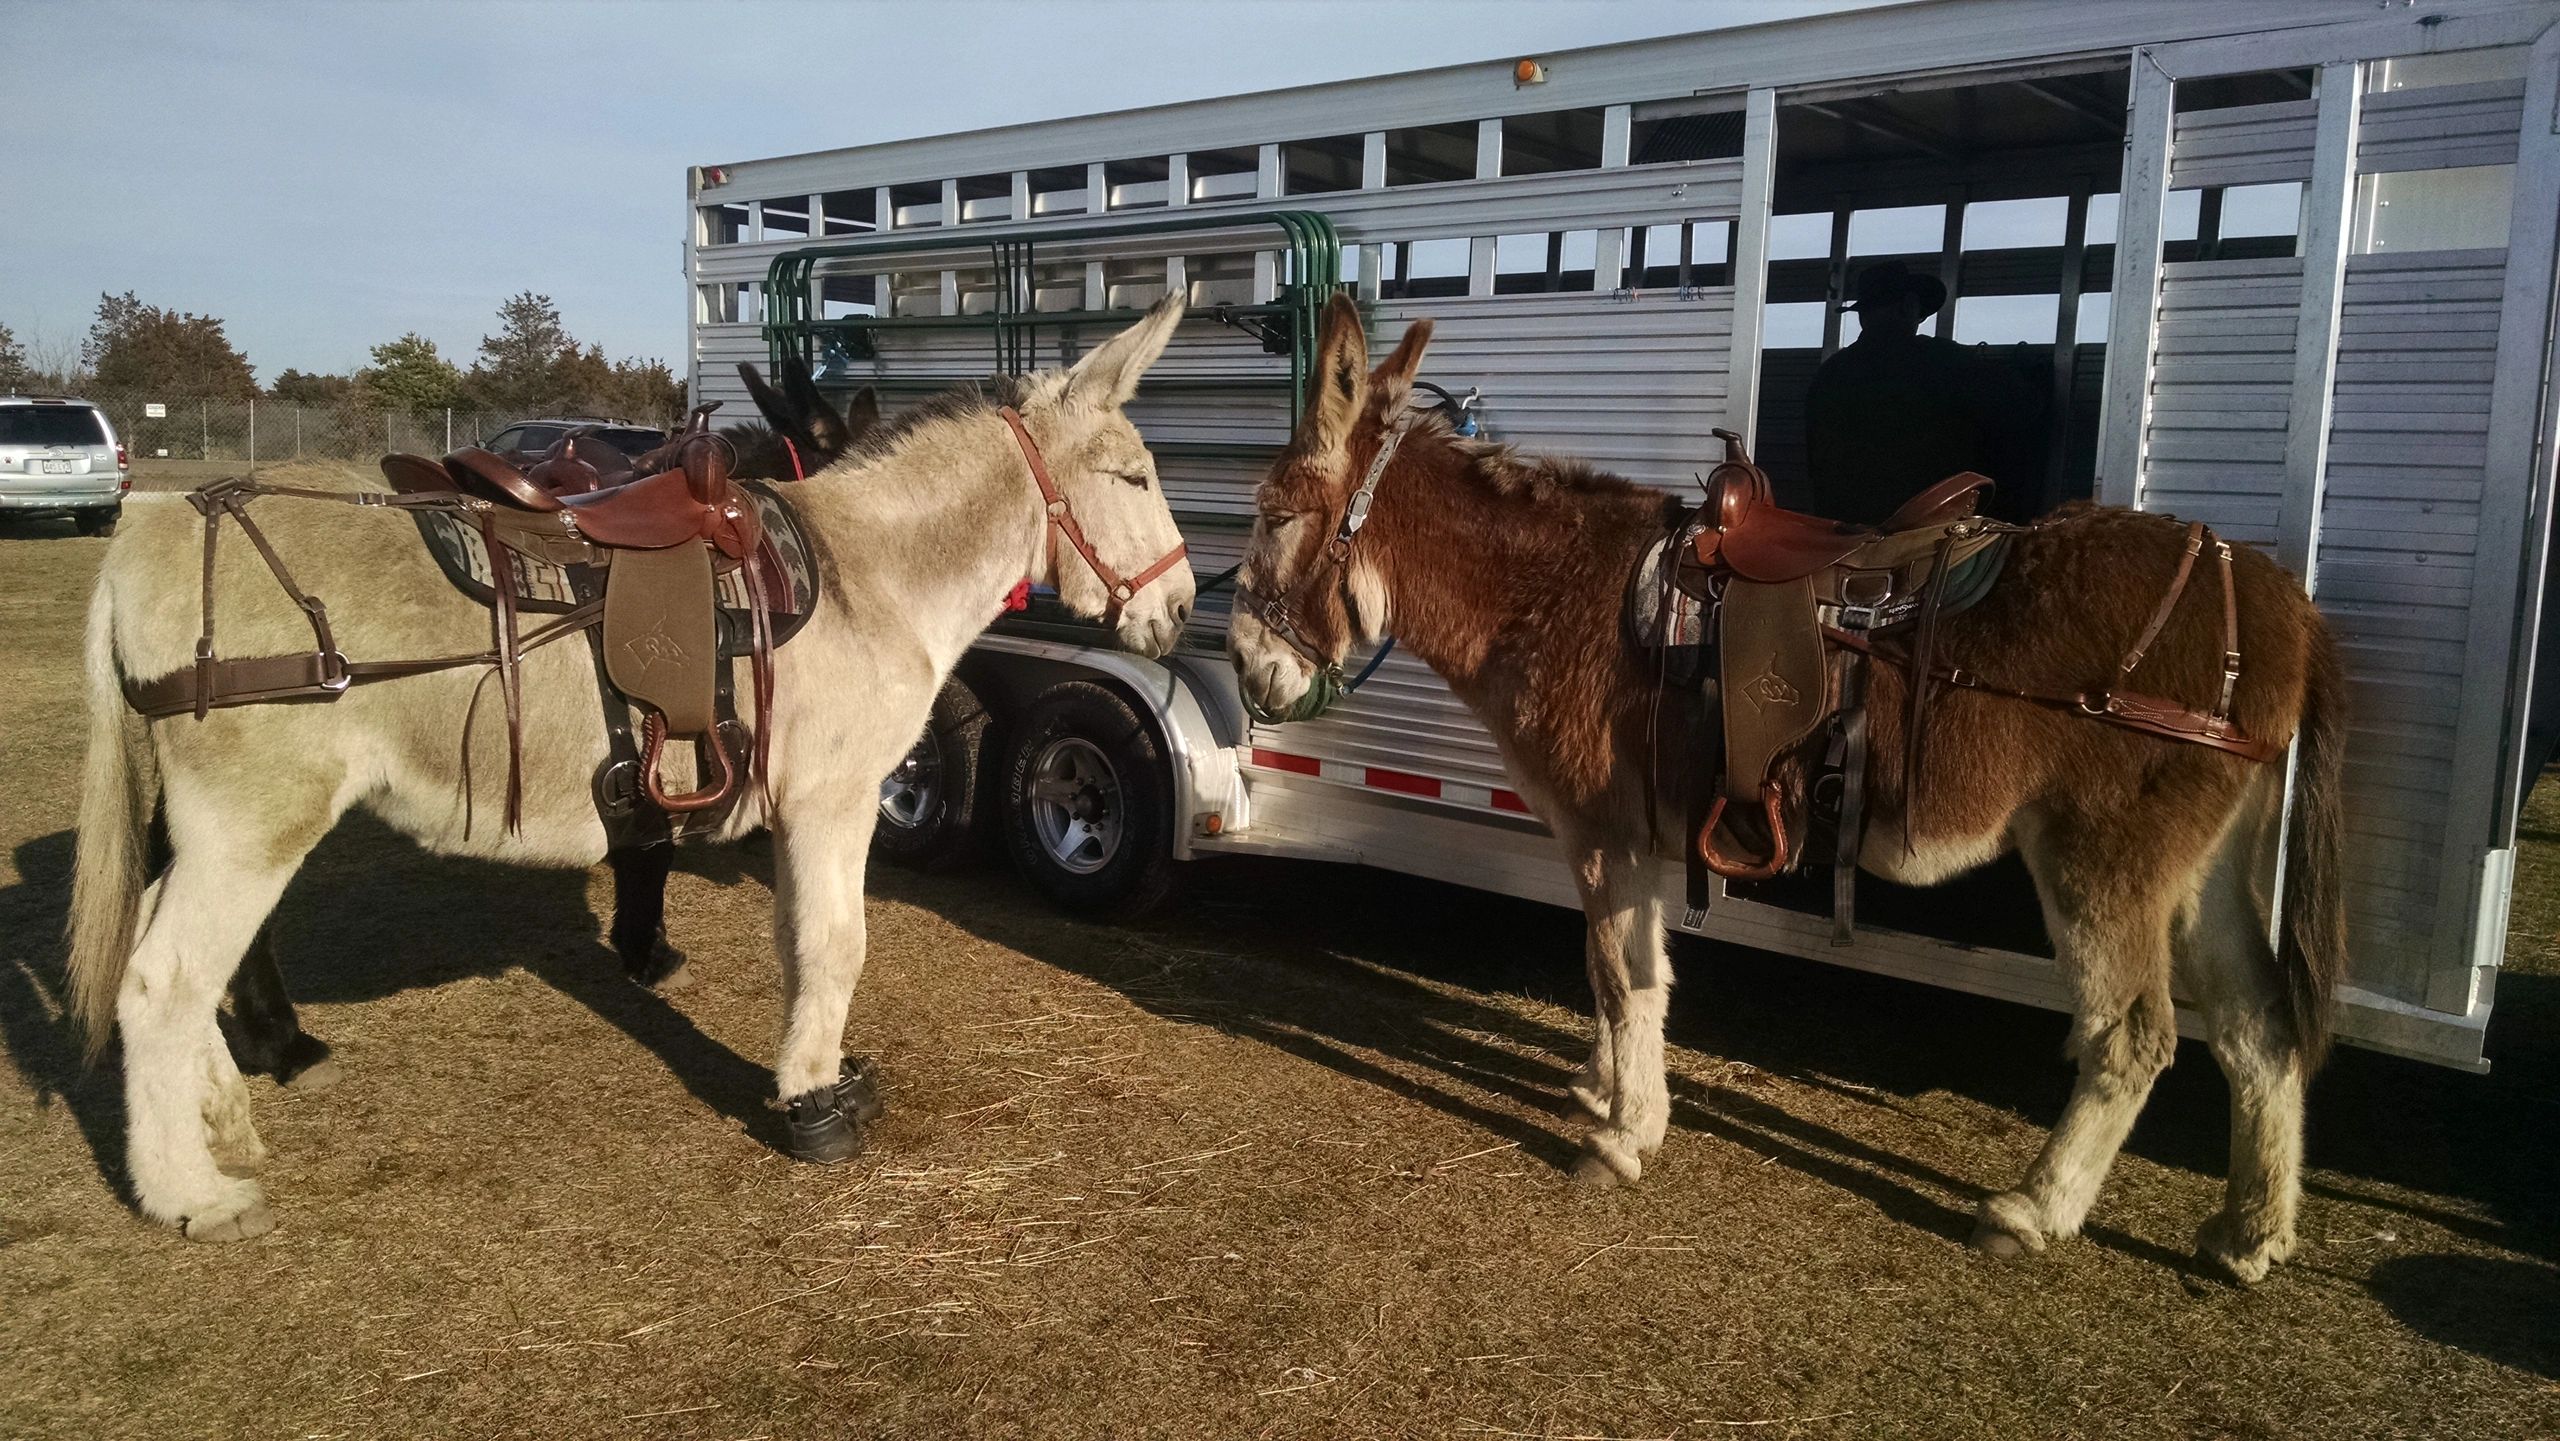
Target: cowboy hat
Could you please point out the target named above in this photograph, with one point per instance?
(1888, 280)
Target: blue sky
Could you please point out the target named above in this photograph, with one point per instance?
(324, 177)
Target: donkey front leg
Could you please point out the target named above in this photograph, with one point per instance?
(1630, 991)
(823, 842)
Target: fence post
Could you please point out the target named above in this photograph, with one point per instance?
(204, 432)
(386, 430)
(448, 430)
(297, 430)
(253, 432)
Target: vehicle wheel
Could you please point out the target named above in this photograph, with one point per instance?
(97, 522)
(1088, 812)
(931, 806)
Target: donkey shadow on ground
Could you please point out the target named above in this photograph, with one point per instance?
(370, 916)
(1347, 966)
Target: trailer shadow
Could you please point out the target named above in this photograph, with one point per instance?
(1382, 978)
(371, 916)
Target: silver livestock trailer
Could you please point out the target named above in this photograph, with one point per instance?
(2285, 266)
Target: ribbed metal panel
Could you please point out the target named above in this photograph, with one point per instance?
(2407, 464)
(2222, 393)
(2442, 127)
(2242, 145)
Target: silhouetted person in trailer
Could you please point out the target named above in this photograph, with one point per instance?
(1895, 412)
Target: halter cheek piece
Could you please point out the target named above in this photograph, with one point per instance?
(1280, 616)
(1062, 521)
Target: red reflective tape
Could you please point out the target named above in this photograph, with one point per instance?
(1401, 782)
(1510, 801)
(1299, 765)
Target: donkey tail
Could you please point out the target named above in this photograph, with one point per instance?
(2312, 949)
(118, 792)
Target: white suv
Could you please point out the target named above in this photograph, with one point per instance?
(61, 456)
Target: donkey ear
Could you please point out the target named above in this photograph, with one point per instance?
(861, 413)
(777, 411)
(1341, 379)
(1108, 377)
(1392, 382)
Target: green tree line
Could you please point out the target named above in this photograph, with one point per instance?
(531, 365)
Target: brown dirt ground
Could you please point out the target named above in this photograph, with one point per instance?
(1280, 1163)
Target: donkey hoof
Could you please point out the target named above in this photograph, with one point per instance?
(316, 1077)
(2007, 1230)
(2223, 1242)
(857, 1094)
(236, 1222)
(1605, 1166)
(821, 1132)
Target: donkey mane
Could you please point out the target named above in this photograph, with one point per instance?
(1507, 470)
(961, 401)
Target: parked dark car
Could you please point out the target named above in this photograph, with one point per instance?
(526, 441)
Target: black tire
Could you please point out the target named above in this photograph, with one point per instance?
(933, 807)
(97, 522)
(1083, 757)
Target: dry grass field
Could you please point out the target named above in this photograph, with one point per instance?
(1282, 1162)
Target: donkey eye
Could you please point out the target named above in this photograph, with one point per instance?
(1137, 478)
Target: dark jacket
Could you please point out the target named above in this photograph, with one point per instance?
(1890, 416)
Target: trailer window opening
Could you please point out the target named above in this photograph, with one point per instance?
(1544, 263)
(1424, 269)
(1428, 154)
(787, 218)
(842, 297)
(849, 212)
(1136, 184)
(1895, 230)
(1556, 140)
(1059, 190)
(1672, 139)
(1666, 257)
(915, 204)
(1320, 167)
(2464, 208)
(1224, 174)
(2233, 92)
(2040, 223)
(2453, 67)
(984, 198)
(1132, 284)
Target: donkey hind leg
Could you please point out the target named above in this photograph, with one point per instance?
(263, 1032)
(2226, 964)
(209, 908)
(1589, 1089)
(2110, 925)
(231, 1134)
(822, 839)
(1630, 990)
(639, 931)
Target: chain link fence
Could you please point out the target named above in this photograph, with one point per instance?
(270, 432)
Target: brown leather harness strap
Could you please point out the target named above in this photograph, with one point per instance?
(1062, 521)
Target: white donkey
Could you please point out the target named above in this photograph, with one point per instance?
(917, 535)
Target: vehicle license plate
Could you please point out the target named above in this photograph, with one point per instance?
(57, 467)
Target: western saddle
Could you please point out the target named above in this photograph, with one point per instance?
(1796, 605)
(642, 544)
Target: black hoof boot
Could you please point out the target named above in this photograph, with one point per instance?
(821, 1131)
(657, 965)
(857, 1093)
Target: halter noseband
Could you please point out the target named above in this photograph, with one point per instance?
(1279, 616)
(1062, 521)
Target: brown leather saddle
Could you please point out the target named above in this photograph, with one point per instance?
(656, 544)
(1782, 587)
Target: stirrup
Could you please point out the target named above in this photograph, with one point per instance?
(1773, 800)
(654, 738)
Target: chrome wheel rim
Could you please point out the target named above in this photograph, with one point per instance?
(911, 793)
(1075, 805)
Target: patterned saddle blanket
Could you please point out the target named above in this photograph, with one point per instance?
(463, 555)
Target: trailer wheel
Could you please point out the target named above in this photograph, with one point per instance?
(932, 807)
(1088, 809)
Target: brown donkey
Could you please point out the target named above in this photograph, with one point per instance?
(1508, 575)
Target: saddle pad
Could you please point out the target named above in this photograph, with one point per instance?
(540, 587)
(1650, 623)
